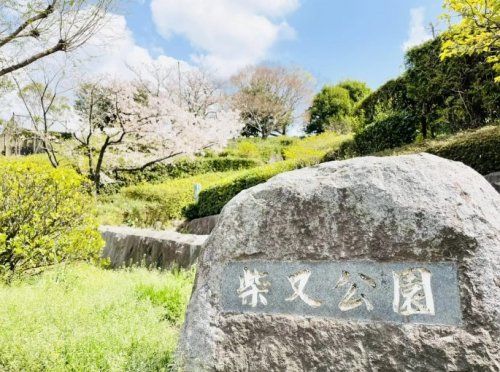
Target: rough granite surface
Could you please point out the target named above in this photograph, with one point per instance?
(394, 209)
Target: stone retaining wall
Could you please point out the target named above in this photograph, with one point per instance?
(127, 246)
(199, 226)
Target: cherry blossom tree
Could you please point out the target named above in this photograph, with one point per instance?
(140, 129)
(194, 89)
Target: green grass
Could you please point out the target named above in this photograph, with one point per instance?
(83, 318)
(313, 149)
(159, 205)
(269, 149)
(155, 205)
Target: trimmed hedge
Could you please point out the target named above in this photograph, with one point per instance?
(163, 203)
(213, 199)
(184, 168)
(394, 131)
(346, 150)
(301, 153)
(480, 150)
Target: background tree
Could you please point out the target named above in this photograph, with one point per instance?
(268, 98)
(124, 128)
(358, 90)
(444, 96)
(477, 32)
(194, 89)
(34, 29)
(334, 107)
(43, 98)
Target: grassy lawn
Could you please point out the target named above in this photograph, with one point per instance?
(158, 205)
(83, 318)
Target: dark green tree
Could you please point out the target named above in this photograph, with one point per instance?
(444, 96)
(333, 107)
(358, 90)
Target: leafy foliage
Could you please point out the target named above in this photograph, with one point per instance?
(312, 149)
(445, 96)
(390, 98)
(358, 90)
(213, 199)
(479, 149)
(163, 203)
(394, 131)
(183, 168)
(476, 33)
(453, 94)
(46, 217)
(333, 108)
(265, 150)
(302, 153)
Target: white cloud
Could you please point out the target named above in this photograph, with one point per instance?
(229, 34)
(110, 52)
(417, 32)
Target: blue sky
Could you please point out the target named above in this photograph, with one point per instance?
(332, 39)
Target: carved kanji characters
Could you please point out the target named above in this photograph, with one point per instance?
(298, 282)
(413, 292)
(252, 287)
(352, 299)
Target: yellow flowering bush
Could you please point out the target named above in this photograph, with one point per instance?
(476, 32)
(47, 217)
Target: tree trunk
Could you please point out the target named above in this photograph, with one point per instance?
(424, 123)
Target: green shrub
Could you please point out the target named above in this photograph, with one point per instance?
(346, 150)
(47, 217)
(163, 203)
(479, 149)
(388, 133)
(213, 199)
(181, 169)
(395, 131)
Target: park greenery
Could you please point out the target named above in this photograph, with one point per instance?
(83, 318)
(131, 151)
(46, 217)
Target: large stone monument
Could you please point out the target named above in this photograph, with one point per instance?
(377, 264)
